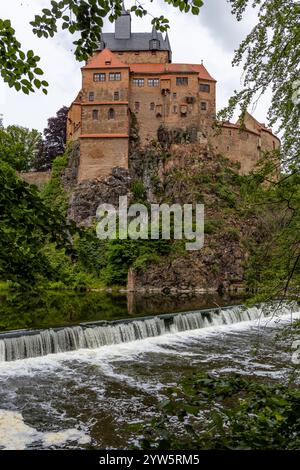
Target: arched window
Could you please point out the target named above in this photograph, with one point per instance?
(111, 113)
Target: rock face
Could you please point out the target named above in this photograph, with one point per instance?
(205, 270)
(189, 173)
(87, 195)
(69, 176)
(180, 173)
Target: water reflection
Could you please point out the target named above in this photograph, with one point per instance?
(48, 308)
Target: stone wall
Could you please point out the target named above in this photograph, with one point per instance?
(74, 122)
(143, 57)
(172, 105)
(103, 125)
(243, 146)
(104, 91)
(98, 156)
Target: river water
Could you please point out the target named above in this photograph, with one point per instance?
(90, 397)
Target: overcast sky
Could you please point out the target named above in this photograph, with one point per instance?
(211, 37)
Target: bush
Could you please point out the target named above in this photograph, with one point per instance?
(122, 254)
(224, 193)
(226, 413)
(138, 190)
(212, 226)
(233, 234)
(53, 193)
(91, 251)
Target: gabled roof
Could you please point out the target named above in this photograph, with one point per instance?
(105, 59)
(136, 42)
(203, 73)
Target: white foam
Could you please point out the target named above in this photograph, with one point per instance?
(163, 344)
(16, 435)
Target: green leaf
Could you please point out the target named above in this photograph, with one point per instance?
(38, 71)
(37, 83)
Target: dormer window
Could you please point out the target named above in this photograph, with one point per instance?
(108, 62)
(154, 44)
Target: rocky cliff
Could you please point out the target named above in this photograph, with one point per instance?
(181, 173)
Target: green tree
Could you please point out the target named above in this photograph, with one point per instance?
(274, 265)
(20, 146)
(26, 225)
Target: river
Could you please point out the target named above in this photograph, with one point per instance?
(93, 396)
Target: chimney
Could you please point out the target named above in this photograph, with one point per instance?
(123, 25)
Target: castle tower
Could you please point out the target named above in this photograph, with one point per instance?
(123, 25)
(104, 116)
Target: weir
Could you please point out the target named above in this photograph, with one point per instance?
(22, 344)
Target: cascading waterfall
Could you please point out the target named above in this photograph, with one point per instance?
(25, 344)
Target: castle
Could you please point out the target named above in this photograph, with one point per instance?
(131, 78)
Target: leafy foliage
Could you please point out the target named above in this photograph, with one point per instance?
(53, 193)
(91, 252)
(20, 147)
(206, 412)
(138, 191)
(86, 17)
(274, 266)
(122, 254)
(19, 69)
(54, 143)
(26, 225)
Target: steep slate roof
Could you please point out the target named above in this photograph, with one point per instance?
(137, 42)
(98, 61)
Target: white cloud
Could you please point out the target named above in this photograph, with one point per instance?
(211, 37)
